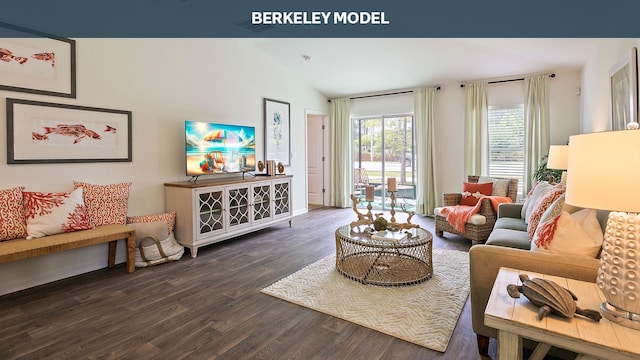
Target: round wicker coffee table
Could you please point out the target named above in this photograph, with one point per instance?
(384, 262)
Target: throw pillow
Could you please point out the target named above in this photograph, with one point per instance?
(13, 225)
(500, 186)
(548, 222)
(471, 192)
(539, 191)
(576, 234)
(106, 204)
(169, 218)
(54, 213)
(540, 207)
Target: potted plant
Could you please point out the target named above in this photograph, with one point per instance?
(544, 174)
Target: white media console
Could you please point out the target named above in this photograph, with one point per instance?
(212, 211)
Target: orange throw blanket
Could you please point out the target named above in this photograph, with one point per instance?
(458, 215)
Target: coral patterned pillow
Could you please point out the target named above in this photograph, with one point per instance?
(106, 204)
(471, 192)
(169, 218)
(540, 207)
(54, 213)
(13, 225)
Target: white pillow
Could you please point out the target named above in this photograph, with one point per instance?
(539, 191)
(575, 234)
(500, 186)
(54, 213)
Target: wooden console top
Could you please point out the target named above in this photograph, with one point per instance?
(225, 181)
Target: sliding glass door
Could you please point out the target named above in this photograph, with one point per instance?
(384, 148)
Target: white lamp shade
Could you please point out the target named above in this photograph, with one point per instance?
(558, 157)
(604, 171)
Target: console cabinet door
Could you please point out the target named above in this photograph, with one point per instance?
(261, 196)
(282, 199)
(210, 212)
(238, 206)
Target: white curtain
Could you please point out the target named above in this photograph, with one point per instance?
(476, 150)
(341, 168)
(427, 189)
(536, 126)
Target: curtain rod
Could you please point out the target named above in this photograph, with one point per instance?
(552, 75)
(387, 94)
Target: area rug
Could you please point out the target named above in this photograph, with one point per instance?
(424, 314)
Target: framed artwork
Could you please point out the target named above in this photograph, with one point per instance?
(277, 126)
(624, 91)
(41, 132)
(37, 63)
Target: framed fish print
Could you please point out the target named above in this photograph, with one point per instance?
(36, 62)
(40, 132)
(277, 138)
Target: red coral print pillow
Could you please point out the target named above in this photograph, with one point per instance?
(540, 207)
(169, 218)
(106, 204)
(12, 224)
(54, 213)
(471, 192)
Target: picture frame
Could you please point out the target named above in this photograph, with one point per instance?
(37, 63)
(277, 131)
(41, 132)
(623, 87)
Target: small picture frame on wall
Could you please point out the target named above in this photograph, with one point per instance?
(40, 132)
(277, 127)
(624, 90)
(36, 62)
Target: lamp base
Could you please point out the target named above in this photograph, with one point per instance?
(619, 316)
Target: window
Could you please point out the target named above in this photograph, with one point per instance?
(506, 142)
(384, 147)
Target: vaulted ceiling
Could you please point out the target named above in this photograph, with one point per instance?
(347, 67)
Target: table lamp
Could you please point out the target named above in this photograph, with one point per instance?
(604, 175)
(558, 159)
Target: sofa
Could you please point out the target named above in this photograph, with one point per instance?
(509, 245)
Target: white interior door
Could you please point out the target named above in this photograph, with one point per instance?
(317, 195)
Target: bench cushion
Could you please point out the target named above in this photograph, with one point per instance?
(19, 249)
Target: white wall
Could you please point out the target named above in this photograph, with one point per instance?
(164, 82)
(596, 103)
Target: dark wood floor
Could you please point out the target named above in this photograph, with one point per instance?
(208, 307)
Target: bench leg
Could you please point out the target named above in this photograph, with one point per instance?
(131, 253)
(112, 253)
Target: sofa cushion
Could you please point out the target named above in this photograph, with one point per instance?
(475, 219)
(13, 225)
(509, 238)
(510, 223)
(471, 192)
(54, 213)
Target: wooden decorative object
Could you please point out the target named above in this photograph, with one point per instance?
(367, 219)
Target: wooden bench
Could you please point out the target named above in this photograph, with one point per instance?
(19, 249)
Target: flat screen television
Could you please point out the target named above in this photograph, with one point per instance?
(213, 148)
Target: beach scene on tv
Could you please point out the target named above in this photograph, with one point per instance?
(219, 148)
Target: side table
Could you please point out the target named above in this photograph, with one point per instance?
(516, 319)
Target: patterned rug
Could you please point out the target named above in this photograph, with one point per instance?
(424, 314)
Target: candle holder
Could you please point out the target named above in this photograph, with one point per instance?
(368, 218)
(393, 205)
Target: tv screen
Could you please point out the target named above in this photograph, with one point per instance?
(219, 148)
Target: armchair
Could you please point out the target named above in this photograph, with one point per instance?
(479, 227)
